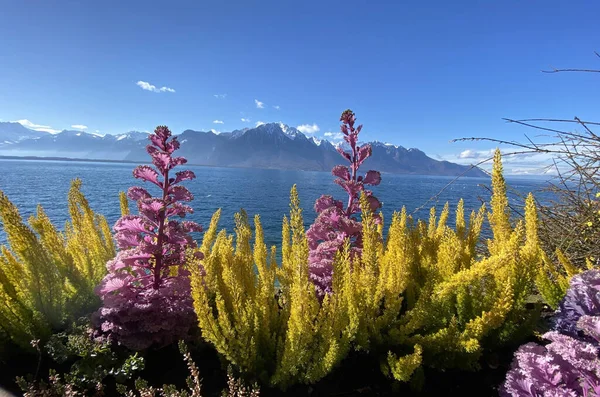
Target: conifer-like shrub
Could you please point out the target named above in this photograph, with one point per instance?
(47, 276)
(419, 297)
(337, 221)
(552, 278)
(146, 293)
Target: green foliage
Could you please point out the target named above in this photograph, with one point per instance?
(47, 277)
(92, 360)
(72, 386)
(422, 297)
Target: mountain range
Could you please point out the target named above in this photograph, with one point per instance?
(272, 145)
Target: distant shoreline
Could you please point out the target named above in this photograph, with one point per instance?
(65, 159)
(80, 160)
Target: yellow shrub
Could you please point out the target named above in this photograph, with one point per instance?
(421, 296)
(47, 276)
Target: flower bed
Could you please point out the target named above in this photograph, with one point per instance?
(351, 308)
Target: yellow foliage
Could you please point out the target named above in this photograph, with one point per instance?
(282, 335)
(423, 289)
(124, 203)
(46, 276)
(552, 279)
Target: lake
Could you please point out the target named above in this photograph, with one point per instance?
(28, 183)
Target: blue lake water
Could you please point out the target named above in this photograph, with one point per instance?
(28, 183)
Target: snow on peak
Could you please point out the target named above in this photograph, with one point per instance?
(284, 127)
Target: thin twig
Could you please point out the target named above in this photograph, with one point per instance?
(435, 197)
(560, 121)
(554, 70)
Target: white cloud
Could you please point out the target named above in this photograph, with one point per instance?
(218, 122)
(245, 120)
(516, 164)
(144, 85)
(308, 129)
(468, 154)
(215, 131)
(36, 127)
(220, 96)
(79, 126)
(259, 123)
(276, 107)
(259, 104)
(336, 136)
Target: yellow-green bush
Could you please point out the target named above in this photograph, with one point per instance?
(47, 277)
(421, 296)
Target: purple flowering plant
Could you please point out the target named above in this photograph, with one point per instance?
(569, 365)
(146, 293)
(336, 221)
(582, 298)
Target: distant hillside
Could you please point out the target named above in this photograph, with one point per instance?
(272, 145)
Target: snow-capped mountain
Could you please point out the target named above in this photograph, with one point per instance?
(14, 132)
(271, 145)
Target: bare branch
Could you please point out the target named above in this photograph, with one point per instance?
(560, 121)
(435, 197)
(554, 70)
(586, 127)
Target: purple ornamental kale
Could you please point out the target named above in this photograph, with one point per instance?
(565, 367)
(582, 298)
(335, 221)
(569, 365)
(146, 294)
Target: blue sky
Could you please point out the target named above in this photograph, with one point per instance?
(417, 74)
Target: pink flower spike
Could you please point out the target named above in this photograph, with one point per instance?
(180, 193)
(131, 223)
(136, 193)
(127, 239)
(184, 176)
(341, 151)
(372, 178)
(173, 145)
(325, 202)
(337, 221)
(341, 172)
(162, 161)
(364, 153)
(189, 227)
(179, 210)
(175, 161)
(146, 173)
(144, 303)
(112, 284)
(157, 141)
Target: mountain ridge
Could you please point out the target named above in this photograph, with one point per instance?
(269, 145)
